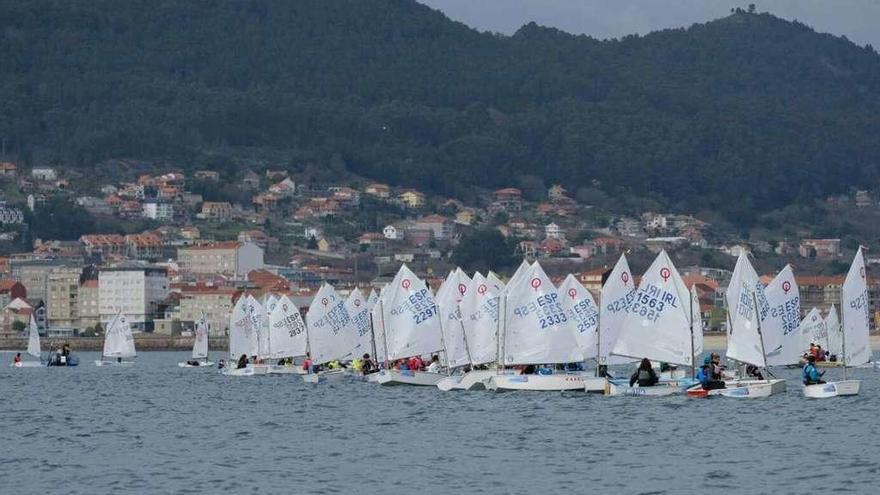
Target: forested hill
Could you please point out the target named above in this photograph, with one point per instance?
(741, 114)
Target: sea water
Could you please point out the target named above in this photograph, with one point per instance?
(157, 428)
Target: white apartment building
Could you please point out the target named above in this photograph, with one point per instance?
(135, 291)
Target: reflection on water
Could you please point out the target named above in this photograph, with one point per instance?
(158, 428)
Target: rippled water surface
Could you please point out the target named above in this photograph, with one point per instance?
(156, 428)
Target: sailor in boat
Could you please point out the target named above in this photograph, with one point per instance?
(307, 364)
(810, 374)
(545, 369)
(17, 359)
(119, 359)
(754, 373)
(717, 369)
(242, 362)
(645, 375)
(434, 367)
(367, 365)
(415, 363)
(705, 376)
(821, 355)
(193, 362)
(221, 364)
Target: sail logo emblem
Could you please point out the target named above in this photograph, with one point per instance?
(284, 307)
(357, 303)
(535, 283)
(786, 286)
(406, 283)
(625, 277)
(665, 274)
(482, 289)
(572, 293)
(324, 302)
(462, 289)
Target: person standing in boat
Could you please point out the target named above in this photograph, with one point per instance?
(810, 374)
(645, 375)
(307, 364)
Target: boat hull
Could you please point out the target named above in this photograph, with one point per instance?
(406, 377)
(617, 388)
(249, 370)
(113, 363)
(275, 369)
(833, 389)
(742, 389)
(542, 383)
(325, 377)
(472, 380)
(203, 364)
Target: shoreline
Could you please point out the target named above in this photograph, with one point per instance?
(150, 342)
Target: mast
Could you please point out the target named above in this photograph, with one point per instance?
(599, 341)
(760, 334)
(499, 332)
(384, 331)
(693, 357)
(467, 348)
(840, 329)
(373, 338)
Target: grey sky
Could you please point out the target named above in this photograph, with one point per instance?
(858, 20)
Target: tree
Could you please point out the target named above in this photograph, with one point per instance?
(483, 250)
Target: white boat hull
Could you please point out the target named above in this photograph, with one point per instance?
(664, 388)
(276, 369)
(832, 389)
(472, 380)
(26, 364)
(202, 364)
(113, 363)
(325, 377)
(406, 377)
(543, 383)
(249, 370)
(751, 389)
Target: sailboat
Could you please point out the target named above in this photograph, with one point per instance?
(410, 322)
(536, 330)
(582, 310)
(118, 343)
(200, 346)
(479, 309)
(33, 347)
(330, 334)
(242, 339)
(751, 307)
(449, 296)
(814, 331)
(853, 332)
(659, 326)
(287, 336)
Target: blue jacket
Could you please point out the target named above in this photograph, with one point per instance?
(702, 376)
(810, 373)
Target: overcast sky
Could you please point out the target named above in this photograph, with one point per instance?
(858, 20)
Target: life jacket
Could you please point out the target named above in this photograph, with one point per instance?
(644, 375)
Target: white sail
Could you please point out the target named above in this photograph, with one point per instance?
(814, 331)
(118, 340)
(33, 347)
(257, 313)
(782, 340)
(618, 294)
(743, 338)
(578, 303)
(331, 331)
(454, 289)
(479, 313)
(377, 317)
(372, 300)
(657, 325)
(287, 330)
(412, 319)
(496, 283)
(520, 272)
(242, 337)
(200, 343)
(697, 323)
(536, 328)
(854, 305)
(270, 301)
(358, 310)
(832, 324)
